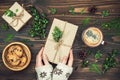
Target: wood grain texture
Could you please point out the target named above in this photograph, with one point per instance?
(62, 7)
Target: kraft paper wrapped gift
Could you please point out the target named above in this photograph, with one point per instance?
(22, 16)
(57, 50)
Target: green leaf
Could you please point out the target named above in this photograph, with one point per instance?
(105, 13)
(71, 10)
(113, 25)
(9, 37)
(94, 68)
(98, 55)
(4, 26)
(53, 10)
(86, 21)
(85, 63)
(10, 13)
(110, 61)
(114, 53)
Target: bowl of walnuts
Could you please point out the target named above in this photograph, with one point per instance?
(16, 56)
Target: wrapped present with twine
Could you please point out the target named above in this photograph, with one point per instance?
(57, 50)
(16, 16)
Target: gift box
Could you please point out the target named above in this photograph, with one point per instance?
(18, 16)
(57, 50)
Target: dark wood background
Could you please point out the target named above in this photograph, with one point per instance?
(62, 7)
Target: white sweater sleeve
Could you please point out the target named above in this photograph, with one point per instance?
(62, 72)
(44, 72)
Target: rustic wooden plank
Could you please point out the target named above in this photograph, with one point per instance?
(62, 7)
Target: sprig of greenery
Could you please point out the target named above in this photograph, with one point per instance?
(85, 63)
(9, 37)
(9, 13)
(85, 21)
(112, 24)
(57, 34)
(4, 26)
(39, 24)
(105, 13)
(53, 10)
(98, 55)
(95, 68)
(71, 10)
(110, 61)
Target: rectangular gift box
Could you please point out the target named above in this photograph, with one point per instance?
(22, 16)
(55, 55)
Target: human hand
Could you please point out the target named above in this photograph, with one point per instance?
(40, 56)
(69, 59)
(64, 69)
(43, 70)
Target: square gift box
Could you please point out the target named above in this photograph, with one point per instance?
(21, 17)
(57, 50)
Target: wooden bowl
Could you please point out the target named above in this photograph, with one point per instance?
(16, 56)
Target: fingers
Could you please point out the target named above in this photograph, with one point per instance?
(70, 62)
(39, 58)
(64, 61)
(40, 53)
(45, 59)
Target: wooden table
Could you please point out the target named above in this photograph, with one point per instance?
(62, 7)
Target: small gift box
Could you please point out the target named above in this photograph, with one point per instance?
(16, 16)
(56, 49)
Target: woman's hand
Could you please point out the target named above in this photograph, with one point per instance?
(43, 70)
(40, 56)
(69, 59)
(64, 69)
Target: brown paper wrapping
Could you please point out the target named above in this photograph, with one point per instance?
(69, 31)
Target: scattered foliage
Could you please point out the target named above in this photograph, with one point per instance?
(71, 10)
(110, 61)
(98, 55)
(4, 26)
(8, 38)
(85, 63)
(113, 24)
(105, 13)
(85, 21)
(95, 68)
(39, 24)
(53, 10)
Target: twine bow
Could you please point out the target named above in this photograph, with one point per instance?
(18, 18)
(58, 44)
